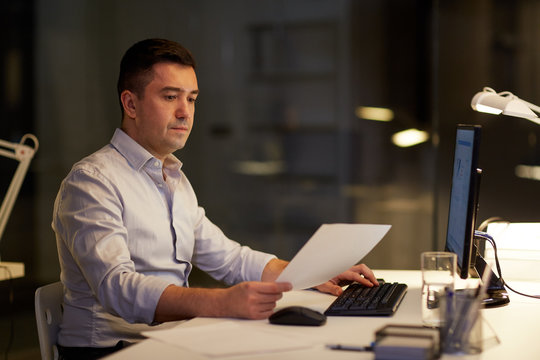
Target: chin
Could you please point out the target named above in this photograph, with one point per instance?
(178, 143)
(180, 146)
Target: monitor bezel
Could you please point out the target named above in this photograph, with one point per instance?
(467, 261)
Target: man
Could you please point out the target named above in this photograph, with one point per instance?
(129, 229)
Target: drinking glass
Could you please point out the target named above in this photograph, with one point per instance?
(438, 272)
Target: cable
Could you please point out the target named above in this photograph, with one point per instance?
(11, 317)
(483, 226)
(489, 238)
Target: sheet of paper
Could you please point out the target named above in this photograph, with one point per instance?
(227, 338)
(331, 250)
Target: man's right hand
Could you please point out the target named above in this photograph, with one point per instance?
(254, 299)
(249, 300)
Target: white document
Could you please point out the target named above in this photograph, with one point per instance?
(228, 338)
(331, 250)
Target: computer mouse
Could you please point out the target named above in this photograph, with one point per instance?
(297, 315)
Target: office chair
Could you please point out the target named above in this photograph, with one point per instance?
(48, 304)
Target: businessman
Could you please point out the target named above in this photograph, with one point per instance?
(129, 228)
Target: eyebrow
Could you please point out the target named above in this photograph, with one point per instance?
(177, 89)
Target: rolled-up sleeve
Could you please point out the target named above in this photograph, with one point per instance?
(223, 258)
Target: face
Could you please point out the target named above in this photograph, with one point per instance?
(161, 119)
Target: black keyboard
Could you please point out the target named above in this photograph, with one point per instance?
(360, 300)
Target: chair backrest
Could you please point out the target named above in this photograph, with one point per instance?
(48, 304)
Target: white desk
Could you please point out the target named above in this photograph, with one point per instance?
(516, 325)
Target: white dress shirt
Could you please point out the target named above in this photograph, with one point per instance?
(124, 233)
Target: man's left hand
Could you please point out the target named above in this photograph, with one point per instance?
(358, 273)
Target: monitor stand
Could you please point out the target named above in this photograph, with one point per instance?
(496, 294)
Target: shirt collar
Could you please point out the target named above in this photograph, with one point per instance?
(136, 155)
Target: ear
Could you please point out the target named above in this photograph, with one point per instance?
(129, 101)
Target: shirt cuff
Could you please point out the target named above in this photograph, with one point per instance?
(256, 263)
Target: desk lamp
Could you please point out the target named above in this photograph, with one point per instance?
(506, 103)
(23, 154)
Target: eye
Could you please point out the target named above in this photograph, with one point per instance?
(171, 97)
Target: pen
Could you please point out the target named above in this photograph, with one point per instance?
(349, 347)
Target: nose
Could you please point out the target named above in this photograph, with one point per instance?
(182, 110)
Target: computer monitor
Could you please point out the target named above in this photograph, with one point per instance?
(464, 193)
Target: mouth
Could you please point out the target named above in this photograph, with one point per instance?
(180, 128)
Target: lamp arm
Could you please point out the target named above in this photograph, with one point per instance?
(24, 154)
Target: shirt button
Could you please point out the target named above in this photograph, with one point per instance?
(156, 164)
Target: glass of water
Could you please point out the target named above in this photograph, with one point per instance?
(438, 272)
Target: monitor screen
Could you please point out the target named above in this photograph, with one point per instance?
(464, 196)
(460, 234)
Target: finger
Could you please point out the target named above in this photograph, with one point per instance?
(261, 312)
(265, 313)
(330, 288)
(266, 299)
(273, 287)
(352, 276)
(264, 310)
(365, 281)
(368, 273)
(284, 286)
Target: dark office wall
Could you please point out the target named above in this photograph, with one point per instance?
(490, 43)
(279, 84)
(16, 119)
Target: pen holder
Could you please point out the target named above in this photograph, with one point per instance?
(463, 331)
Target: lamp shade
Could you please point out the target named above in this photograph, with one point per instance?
(488, 101)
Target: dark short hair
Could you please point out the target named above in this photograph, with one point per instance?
(137, 62)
